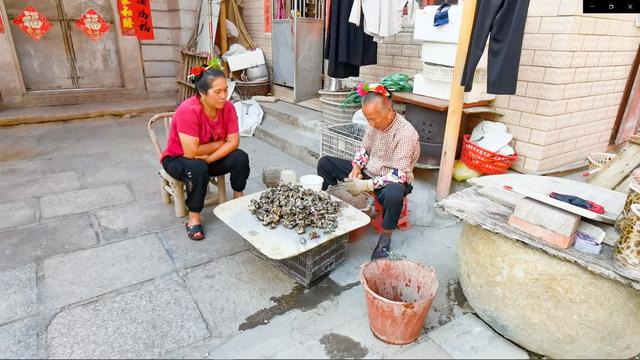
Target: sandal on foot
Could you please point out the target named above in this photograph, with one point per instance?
(195, 232)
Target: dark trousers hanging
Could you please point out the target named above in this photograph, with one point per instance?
(504, 20)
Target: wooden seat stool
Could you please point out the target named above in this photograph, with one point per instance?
(172, 189)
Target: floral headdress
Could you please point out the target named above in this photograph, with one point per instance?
(197, 71)
(363, 88)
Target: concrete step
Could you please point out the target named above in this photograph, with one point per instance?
(302, 144)
(297, 116)
(31, 115)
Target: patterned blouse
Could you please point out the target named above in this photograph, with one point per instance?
(388, 156)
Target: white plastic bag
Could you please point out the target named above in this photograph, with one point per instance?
(358, 118)
(249, 116)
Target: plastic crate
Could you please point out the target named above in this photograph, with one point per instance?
(313, 264)
(341, 140)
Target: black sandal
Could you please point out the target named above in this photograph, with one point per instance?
(193, 230)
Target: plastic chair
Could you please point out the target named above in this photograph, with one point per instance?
(172, 189)
(403, 222)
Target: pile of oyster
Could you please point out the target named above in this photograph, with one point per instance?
(296, 208)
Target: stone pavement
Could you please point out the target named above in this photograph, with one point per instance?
(92, 264)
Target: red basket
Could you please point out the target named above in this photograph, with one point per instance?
(483, 160)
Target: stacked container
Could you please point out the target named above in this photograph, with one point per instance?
(439, 57)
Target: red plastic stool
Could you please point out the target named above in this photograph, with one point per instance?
(403, 222)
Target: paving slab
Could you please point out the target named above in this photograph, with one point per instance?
(159, 317)
(18, 213)
(298, 328)
(37, 242)
(85, 200)
(19, 339)
(18, 293)
(93, 175)
(232, 288)
(139, 218)
(141, 175)
(13, 168)
(81, 275)
(480, 341)
(220, 241)
(75, 161)
(423, 350)
(21, 187)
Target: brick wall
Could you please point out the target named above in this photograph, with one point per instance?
(573, 71)
(254, 22)
(399, 53)
(173, 22)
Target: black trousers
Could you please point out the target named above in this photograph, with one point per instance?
(391, 197)
(195, 174)
(505, 20)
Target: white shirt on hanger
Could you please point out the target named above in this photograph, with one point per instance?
(382, 18)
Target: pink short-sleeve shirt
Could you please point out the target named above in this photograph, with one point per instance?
(190, 119)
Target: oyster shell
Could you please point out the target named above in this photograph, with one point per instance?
(296, 208)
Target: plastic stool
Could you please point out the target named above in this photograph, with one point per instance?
(403, 222)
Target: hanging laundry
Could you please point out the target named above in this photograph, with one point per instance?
(347, 46)
(382, 18)
(505, 20)
(442, 15)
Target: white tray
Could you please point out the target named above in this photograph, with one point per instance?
(281, 243)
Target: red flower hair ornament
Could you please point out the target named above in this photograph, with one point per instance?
(363, 88)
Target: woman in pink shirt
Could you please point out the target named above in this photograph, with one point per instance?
(203, 142)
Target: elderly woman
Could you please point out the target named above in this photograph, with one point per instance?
(203, 142)
(384, 164)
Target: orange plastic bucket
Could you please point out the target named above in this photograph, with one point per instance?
(399, 294)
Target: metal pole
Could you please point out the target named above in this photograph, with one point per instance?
(456, 103)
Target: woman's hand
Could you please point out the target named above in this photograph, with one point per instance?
(205, 158)
(356, 173)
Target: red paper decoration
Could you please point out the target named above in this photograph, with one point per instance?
(126, 10)
(1, 25)
(32, 22)
(92, 24)
(266, 14)
(142, 20)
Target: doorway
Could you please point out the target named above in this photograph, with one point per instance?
(65, 58)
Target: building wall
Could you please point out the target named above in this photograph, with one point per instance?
(573, 71)
(174, 21)
(254, 22)
(14, 94)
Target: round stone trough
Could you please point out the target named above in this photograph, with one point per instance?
(545, 304)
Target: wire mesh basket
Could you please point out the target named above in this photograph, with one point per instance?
(313, 264)
(445, 73)
(334, 113)
(342, 140)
